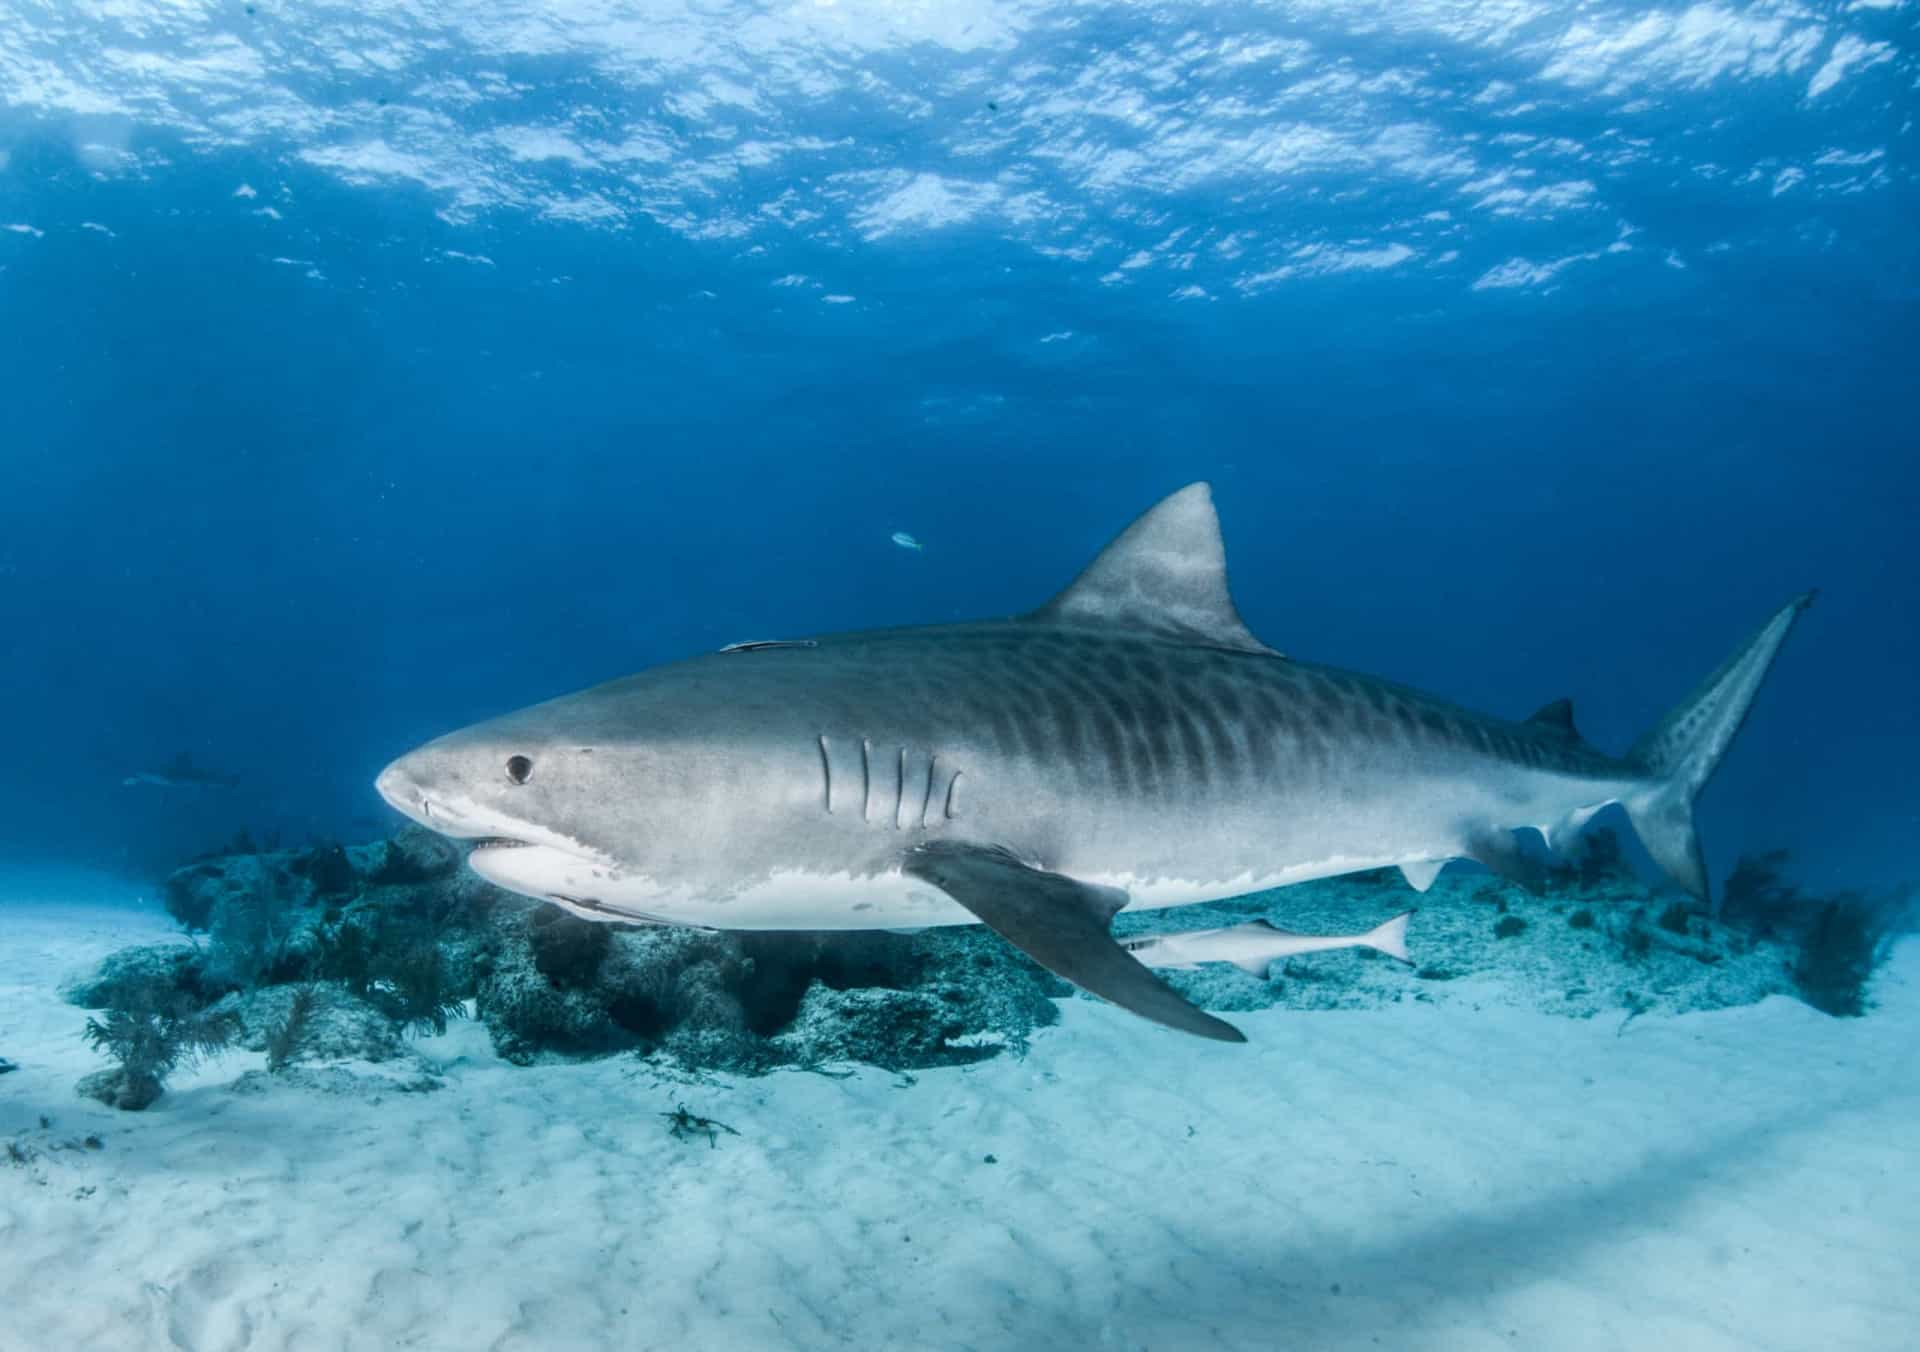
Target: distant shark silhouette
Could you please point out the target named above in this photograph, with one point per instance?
(182, 773)
(1128, 744)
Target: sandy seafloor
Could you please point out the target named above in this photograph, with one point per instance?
(1462, 1171)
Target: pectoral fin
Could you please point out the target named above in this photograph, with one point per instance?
(1061, 924)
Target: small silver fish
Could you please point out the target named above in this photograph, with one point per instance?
(1251, 946)
(906, 541)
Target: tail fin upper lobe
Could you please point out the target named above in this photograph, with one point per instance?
(1681, 753)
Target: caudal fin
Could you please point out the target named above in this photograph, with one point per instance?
(1681, 753)
(1390, 938)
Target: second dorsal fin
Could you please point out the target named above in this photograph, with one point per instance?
(1558, 715)
(1166, 574)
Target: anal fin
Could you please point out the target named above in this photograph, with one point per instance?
(1061, 924)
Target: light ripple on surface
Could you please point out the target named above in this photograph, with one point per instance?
(1293, 132)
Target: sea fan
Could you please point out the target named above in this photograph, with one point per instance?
(151, 1035)
(285, 1039)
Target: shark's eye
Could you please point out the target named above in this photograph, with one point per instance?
(519, 769)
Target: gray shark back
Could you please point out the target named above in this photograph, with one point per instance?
(1116, 753)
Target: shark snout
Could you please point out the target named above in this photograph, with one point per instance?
(422, 786)
(403, 793)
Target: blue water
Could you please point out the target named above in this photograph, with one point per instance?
(362, 381)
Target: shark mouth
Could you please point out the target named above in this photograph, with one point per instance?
(554, 852)
(592, 908)
(586, 906)
(574, 881)
(534, 869)
(484, 843)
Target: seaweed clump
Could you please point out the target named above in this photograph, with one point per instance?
(329, 871)
(1757, 898)
(1839, 941)
(683, 1125)
(1598, 864)
(394, 963)
(1847, 939)
(152, 1031)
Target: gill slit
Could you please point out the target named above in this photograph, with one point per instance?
(826, 776)
(953, 798)
(899, 789)
(926, 798)
(866, 779)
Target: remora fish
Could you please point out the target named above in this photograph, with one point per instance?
(1253, 946)
(1130, 743)
(180, 773)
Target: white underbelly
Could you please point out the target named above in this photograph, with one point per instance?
(801, 900)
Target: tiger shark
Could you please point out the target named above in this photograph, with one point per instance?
(181, 773)
(1130, 744)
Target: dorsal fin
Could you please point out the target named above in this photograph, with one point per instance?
(1166, 574)
(1558, 715)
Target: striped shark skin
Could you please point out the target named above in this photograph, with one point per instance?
(1128, 744)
